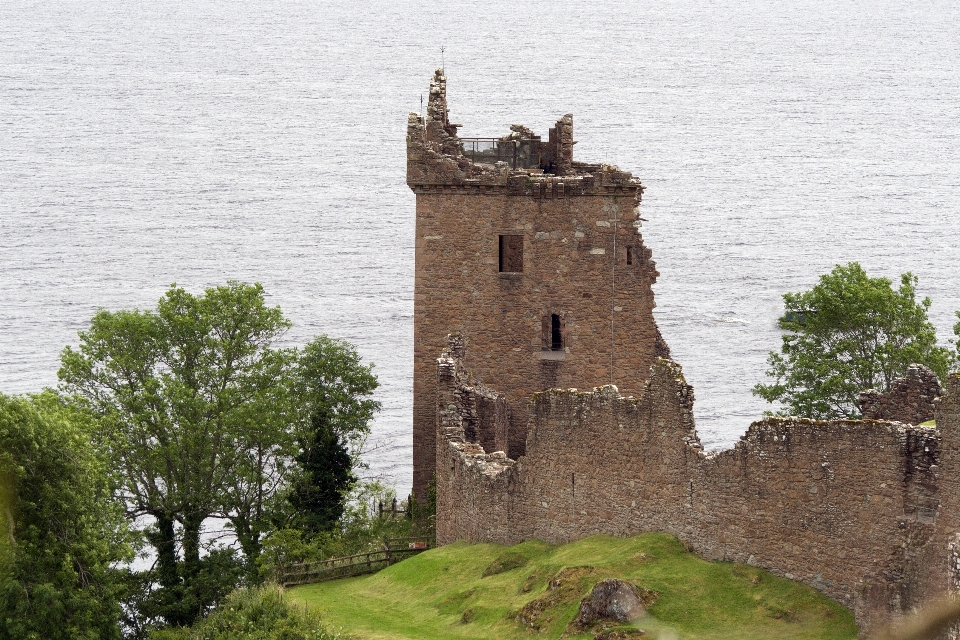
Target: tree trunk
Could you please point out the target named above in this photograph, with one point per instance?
(164, 541)
(249, 540)
(194, 602)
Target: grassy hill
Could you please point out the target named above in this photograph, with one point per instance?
(490, 591)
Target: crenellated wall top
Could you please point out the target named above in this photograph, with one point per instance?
(519, 163)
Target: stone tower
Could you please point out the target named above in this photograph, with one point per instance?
(536, 259)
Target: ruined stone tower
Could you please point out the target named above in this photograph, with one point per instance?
(536, 259)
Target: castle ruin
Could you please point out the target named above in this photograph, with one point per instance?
(532, 277)
(535, 257)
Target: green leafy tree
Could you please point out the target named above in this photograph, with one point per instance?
(331, 380)
(205, 418)
(61, 530)
(847, 334)
(192, 405)
(956, 332)
(335, 392)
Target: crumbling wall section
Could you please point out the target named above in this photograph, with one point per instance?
(471, 483)
(910, 399)
(827, 503)
(940, 559)
(560, 146)
(589, 469)
(848, 507)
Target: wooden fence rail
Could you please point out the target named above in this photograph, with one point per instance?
(394, 550)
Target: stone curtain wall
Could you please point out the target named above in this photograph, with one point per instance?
(843, 506)
(851, 508)
(583, 259)
(477, 502)
(910, 399)
(940, 566)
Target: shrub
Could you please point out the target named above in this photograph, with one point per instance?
(253, 614)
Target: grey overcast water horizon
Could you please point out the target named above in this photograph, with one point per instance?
(147, 143)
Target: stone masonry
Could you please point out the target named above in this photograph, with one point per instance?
(910, 399)
(868, 512)
(536, 258)
(532, 276)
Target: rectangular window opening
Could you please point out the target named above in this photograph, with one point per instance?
(511, 254)
(553, 333)
(629, 255)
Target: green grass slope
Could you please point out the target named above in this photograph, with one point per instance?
(490, 591)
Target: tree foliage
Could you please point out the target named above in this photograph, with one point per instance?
(847, 334)
(335, 391)
(201, 417)
(331, 380)
(191, 401)
(360, 529)
(61, 531)
(205, 418)
(318, 492)
(956, 342)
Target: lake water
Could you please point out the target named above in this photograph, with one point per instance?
(146, 143)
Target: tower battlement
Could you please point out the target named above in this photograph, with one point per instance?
(519, 163)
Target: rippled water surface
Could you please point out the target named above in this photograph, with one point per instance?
(146, 143)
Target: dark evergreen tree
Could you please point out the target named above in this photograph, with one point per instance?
(334, 389)
(320, 491)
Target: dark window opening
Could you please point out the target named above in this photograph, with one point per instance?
(553, 333)
(556, 335)
(629, 255)
(511, 254)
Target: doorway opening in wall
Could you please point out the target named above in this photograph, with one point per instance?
(511, 254)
